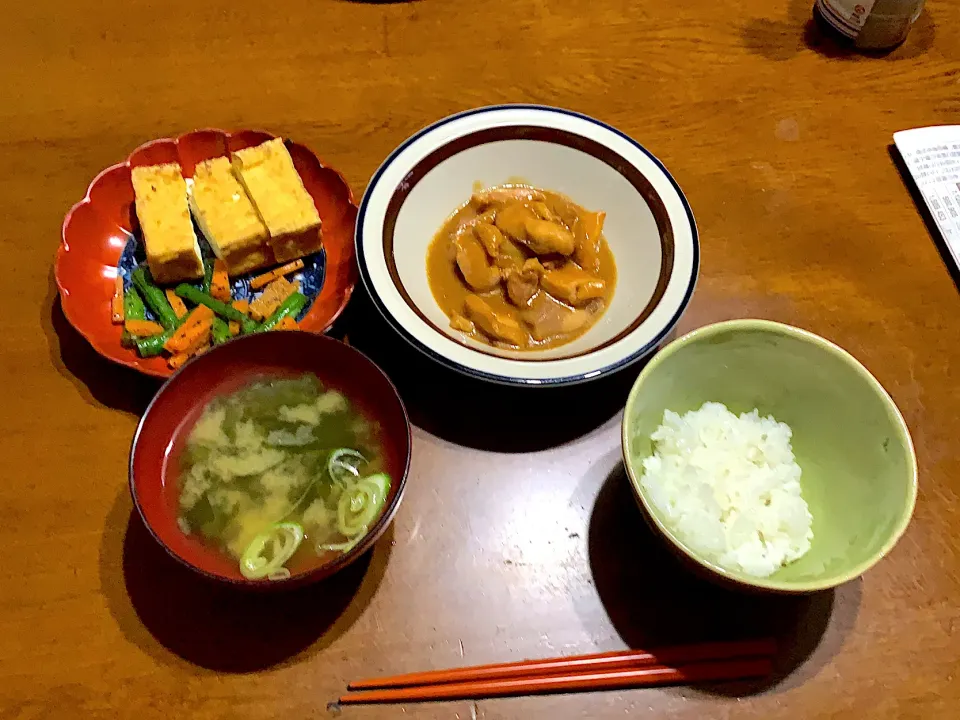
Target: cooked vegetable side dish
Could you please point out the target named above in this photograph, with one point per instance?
(253, 213)
(281, 475)
(522, 268)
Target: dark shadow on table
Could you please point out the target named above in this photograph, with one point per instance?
(481, 414)
(653, 600)
(803, 29)
(935, 235)
(99, 381)
(163, 607)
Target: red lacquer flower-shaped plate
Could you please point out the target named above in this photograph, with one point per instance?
(100, 228)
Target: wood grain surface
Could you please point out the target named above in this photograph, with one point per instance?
(511, 542)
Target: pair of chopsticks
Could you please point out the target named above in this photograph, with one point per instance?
(706, 662)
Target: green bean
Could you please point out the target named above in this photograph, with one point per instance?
(153, 346)
(220, 330)
(198, 297)
(133, 307)
(155, 298)
(290, 307)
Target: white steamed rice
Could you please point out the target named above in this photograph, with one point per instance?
(729, 487)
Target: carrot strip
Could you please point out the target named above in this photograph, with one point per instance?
(268, 277)
(174, 362)
(199, 315)
(116, 302)
(234, 327)
(176, 302)
(261, 280)
(143, 328)
(202, 340)
(271, 298)
(191, 339)
(178, 360)
(220, 283)
(242, 306)
(288, 323)
(196, 316)
(291, 267)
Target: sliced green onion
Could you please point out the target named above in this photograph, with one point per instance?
(343, 547)
(343, 465)
(361, 503)
(268, 551)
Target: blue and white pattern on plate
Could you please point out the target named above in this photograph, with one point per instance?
(310, 276)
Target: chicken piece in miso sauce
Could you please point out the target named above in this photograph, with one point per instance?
(522, 268)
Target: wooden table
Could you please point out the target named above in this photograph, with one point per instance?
(511, 542)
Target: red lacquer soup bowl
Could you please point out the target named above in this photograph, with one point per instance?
(154, 463)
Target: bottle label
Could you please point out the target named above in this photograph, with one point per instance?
(847, 16)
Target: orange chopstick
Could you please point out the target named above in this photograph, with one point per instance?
(616, 679)
(619, 660)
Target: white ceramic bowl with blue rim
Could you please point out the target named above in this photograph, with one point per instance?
(649, 227)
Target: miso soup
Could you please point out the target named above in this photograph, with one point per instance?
(281, 474)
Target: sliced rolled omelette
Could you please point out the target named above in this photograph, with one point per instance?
(172, 248)
(228, 218)
(283, 203)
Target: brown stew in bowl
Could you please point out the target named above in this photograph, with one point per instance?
(522, 268)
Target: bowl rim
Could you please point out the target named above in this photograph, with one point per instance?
(831, 347)
(321, 572)
(504, 379)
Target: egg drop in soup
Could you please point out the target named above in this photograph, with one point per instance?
(281, 476)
